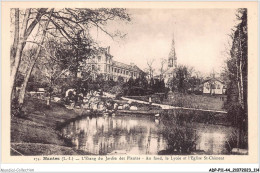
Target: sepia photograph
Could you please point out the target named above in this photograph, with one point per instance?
(114, 81)
(130, 83)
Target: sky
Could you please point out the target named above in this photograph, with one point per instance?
(200, 35)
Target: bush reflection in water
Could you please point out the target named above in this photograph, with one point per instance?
(128, 134)
(135, 134)
(186, 133)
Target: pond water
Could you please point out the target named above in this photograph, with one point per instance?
(142, 135)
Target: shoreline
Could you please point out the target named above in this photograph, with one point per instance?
(37, 133)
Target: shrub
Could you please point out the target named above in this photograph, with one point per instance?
(117, 90)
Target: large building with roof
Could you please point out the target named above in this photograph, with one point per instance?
(103, 64)
(213, 86)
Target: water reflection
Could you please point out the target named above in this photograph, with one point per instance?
(117, 135)
(214, 139)
(139, 135)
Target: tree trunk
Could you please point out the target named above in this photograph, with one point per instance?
(16, 35)
(20, 40)
(50, 95)
(25, 82)
(30, 68)
(19, 50)
(241, 71)
(240, 89)
(238, 78)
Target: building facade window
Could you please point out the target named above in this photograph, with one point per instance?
(111, 70)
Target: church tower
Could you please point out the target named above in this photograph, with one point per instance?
(172, 59)
(172, 65)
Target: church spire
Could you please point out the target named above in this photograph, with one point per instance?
(172, 59)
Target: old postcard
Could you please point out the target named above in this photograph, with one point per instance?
(129, 82)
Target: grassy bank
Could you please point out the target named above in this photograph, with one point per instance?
(195, 101)
(36, 133)
(187, 100)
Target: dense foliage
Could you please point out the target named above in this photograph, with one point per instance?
(237, 69)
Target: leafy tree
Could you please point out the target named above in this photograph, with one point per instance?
(109, 84)
(143, 83)
(237, 68)
(151, 84)
(120, 80)
(162, 86)
(130, 82)
(68, 26)
(182, 76)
